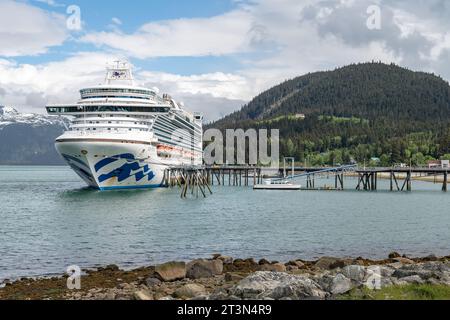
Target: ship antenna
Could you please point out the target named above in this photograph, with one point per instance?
(120, 71)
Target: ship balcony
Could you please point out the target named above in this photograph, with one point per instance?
(119, 135)
(105, 127)
(111, 119)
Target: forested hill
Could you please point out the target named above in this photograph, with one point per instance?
(361, 111)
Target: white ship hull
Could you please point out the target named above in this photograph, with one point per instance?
(109, 166)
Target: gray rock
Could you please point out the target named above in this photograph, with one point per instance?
(403, 273)
(299, 264)
(167, 298)
(226, 259)
(330, 263)
(354, 272)
(219, 295)
(412, 280)
(110, 267)
(171, 271)
(437, 266)
(394, 255)
(110, 296)
(232, 277)
(151, 282)
(125, 286)
(425, 271)
(143, 295)
(190, 290)
(276, 267)
(337, 284)
(431, 257)
(325, 263)
(386, 271)
(276, 285)
(198, 269)
(433, 281)
(395, 265)
(292, 268)
(404, 260)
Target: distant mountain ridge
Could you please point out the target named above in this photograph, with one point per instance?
(359, 111)
(365, 90)
(28, 139)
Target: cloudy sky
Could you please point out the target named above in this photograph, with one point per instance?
(214, 55)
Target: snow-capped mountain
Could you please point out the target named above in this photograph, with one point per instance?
(28, 139)
(9, 115)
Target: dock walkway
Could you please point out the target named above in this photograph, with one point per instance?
(198, 179)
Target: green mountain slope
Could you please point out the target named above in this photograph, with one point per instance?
(357, 112)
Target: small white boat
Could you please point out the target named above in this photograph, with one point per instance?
(277, 185)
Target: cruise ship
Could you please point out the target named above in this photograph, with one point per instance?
(123, 136)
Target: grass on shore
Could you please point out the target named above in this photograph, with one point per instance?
(407, 292)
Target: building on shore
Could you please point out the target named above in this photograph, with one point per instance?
(439, 164)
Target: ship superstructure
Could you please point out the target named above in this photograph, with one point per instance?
(125, 136)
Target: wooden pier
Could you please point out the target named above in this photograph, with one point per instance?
(400, 178)
(197, 181)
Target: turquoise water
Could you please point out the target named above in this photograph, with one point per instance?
(48, 221)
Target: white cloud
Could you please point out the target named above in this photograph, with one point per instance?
(314, 35)
(272, 41)
(219, 35)
(30, 87)
(27, 86)
(217, 84)
(27, 30)
(51, 3)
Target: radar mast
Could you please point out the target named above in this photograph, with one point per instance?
(119, 71)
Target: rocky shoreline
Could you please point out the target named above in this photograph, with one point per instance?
(225, 278)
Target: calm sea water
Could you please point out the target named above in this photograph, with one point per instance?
(48, 221)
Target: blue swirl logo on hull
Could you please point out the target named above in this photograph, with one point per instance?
(131, 167)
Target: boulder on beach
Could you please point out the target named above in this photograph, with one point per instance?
(276, 267)
(110, 267)
(403, 260)
(190, 291)
(234, 277)
(143, 295)
(329, 263)
(263, 262)
(297, 263)
(171, 271)
(337, 284)
(201, 268)
(394, 255)
(356, 273)
(151, 282)
(277, 285)
(225, 259)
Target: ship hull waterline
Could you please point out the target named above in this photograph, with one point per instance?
(113, 165)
